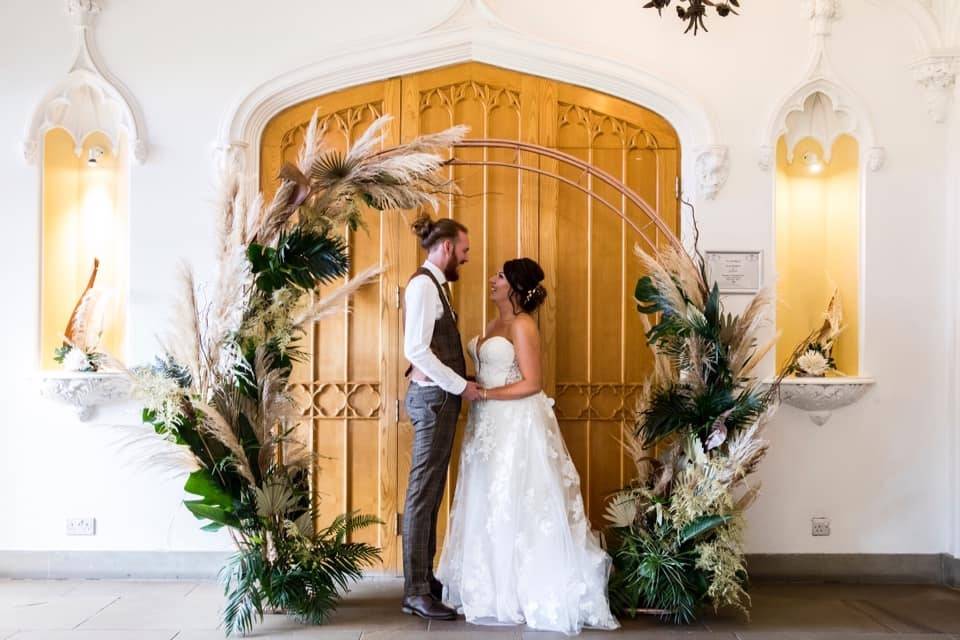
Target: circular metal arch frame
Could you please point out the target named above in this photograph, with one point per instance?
(520, 148)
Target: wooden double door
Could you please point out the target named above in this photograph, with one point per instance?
(594, 353)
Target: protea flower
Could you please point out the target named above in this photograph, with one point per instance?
(813, 363)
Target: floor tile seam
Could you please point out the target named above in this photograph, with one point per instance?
(97, 612)
(865, 607)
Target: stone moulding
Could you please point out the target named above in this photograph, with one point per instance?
(820, 397)
(84, 392)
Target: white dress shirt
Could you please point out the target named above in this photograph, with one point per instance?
(423, 308)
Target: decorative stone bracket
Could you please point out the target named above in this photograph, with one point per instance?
(937, 76)
(821, 396)
(84, 392)
(712, 168)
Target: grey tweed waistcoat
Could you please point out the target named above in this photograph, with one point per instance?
(446, 344)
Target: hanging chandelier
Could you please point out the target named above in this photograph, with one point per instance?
(694, 11)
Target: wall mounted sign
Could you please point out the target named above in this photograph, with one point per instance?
(735, 271)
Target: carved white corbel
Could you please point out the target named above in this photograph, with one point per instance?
(936, 26)
(822, 14)
(89, 99)
(84, 392)
(712, 168)
(820, 397)
(231, 158)
(876, 156)
(937, 76)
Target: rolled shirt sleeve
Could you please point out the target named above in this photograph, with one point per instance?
(421, 301)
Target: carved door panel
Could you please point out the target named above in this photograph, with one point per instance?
(601, 355)
(498, 205)
(594, 354)
(347, 386)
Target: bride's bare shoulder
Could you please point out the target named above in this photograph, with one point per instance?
(524, 325)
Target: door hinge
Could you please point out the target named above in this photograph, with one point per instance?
(399, 524)
(396, 412)
(676, 188)
(397, 298)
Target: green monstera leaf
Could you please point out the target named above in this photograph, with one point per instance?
(214, 504)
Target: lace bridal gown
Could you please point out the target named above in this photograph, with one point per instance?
(519, 548)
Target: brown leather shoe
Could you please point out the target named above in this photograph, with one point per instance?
(427, 607)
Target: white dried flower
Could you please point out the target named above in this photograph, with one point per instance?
(813, 363)
(77, 360)
(158, 393)
(622, 510)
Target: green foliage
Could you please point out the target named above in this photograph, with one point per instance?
(714, 390)
(224, 395)
(682, 550)
(214, 503)
(281, 564)
(61, 352)
(287, 569)
(302, 259)
(702, 527)
(653, 572)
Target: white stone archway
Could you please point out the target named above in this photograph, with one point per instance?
(472, 33)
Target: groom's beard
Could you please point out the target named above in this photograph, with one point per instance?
(452, 270)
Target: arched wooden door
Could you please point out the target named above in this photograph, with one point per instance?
(594, 352)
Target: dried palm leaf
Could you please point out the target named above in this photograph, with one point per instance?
(369, 141)
(744, 452)
(277, 215)
(745, 501)
(312, 144)
(690, 278)
(217, 426)
(74, 332)
(832, 321)
(621, 510)
(184, 342)
(663, 280)
(333, 302)
(274, 500)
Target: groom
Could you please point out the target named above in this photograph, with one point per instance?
(437, 386)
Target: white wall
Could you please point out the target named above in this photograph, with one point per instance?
(953, 214)
(883, 470)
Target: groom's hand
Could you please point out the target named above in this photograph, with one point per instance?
(471, 393)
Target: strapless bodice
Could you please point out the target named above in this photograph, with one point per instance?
(495, 360)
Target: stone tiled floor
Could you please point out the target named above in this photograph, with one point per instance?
(118, 610)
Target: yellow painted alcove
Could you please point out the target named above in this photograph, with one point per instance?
(85, 215)
(818, 244)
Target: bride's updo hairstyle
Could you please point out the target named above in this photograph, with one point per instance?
(525, 276)
(432, 231)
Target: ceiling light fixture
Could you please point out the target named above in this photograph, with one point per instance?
(694, 11)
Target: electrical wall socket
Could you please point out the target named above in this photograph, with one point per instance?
(81, 526)
(820, 526)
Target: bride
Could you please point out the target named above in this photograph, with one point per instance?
(519, 548)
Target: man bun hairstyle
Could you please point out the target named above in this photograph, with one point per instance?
(525, 276)
(432, 231)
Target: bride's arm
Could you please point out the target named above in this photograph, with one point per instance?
(526, 341)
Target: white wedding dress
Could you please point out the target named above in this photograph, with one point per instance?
(519, 549)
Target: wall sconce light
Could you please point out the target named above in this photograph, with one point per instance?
(93, 155)
(812, 161)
